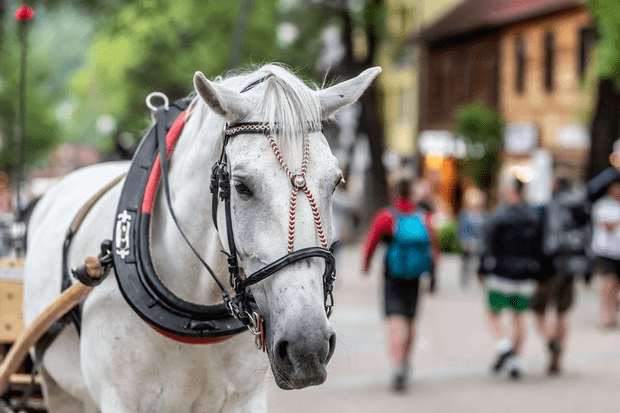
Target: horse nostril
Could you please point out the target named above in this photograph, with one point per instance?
(331, 348)
(282, 350)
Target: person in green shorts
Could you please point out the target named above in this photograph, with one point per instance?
(511, 259)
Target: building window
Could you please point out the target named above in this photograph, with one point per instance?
(520, 63)
(586, 43)
(549, 61)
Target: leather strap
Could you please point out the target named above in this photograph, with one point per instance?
(163, 159)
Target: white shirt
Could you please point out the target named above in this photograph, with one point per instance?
(606, 243)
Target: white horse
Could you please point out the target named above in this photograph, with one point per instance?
(119, 363)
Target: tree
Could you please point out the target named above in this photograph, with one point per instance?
(482, 129)
(359, 22)
(605, 126)
(55, 49)
(157, 46)
(41, 127)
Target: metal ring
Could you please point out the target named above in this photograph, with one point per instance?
(254, 325)
(157, 94)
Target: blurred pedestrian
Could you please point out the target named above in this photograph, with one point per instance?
(511, 258)
(606, 247)
(411, 241)
(470, 223)
(424, 198)
(567, 240)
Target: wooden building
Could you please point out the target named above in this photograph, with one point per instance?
(525, 58)
(543, 70)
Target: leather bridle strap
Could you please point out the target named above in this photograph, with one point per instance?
(277, 265)
(220, 179)
(163, 159)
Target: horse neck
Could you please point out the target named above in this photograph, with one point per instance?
(189, 177)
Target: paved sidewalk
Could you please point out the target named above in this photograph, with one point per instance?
(453, 353)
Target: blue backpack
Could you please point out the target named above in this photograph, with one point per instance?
(409, 254)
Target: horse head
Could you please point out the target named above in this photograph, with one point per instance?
(281, 187)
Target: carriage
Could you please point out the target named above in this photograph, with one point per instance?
(24, 386)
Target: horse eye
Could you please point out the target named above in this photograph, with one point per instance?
(338, 183)
(241, 188)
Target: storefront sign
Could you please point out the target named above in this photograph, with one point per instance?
(573, 137)
(520, 138)
(441, 142)
(539, 190)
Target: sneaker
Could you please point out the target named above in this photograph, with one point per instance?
(514, 367)
(555, 349)
(515, 374)
(401, 373)
(501, 360)
(398, 383)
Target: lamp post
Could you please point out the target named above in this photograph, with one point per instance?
(23, 15)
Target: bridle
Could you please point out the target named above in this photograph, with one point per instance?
(220, 188)
(137, 278)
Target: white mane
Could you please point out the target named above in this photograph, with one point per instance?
(283, 101)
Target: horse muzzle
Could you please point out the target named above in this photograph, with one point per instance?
(299, 358)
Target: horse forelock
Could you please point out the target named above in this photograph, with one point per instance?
(283, 101)
(287, 105)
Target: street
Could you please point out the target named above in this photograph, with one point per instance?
(453, 354)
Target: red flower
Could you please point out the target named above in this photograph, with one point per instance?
(24, 13)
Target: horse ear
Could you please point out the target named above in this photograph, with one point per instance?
(224, 101)
(337, 96)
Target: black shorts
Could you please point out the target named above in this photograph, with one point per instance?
(558, 290)
(608, 266)
(401, 296)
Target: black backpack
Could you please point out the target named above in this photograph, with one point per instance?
(515, 242)
(568, 228)
(568, 233)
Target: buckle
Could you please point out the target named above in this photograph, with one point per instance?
(213, 187)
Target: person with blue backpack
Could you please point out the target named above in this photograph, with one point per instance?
(412, 243)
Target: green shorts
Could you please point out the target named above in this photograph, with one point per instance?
(497, 301)
(506, 293)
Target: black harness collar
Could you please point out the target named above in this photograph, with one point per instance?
(137, 279)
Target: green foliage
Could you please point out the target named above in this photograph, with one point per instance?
(481, 128)
(607, 17)
(140, 46)
(158, 46)
(42, 130)
(56, 41)
(448, 237)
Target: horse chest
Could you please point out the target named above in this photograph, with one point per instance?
(165, 375)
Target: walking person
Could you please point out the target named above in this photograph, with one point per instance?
(511, 259)
(606, 248)
(411, 243)
(470, 223)
(423, 196)
(567, 240)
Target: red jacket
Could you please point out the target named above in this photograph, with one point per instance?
(383, 224)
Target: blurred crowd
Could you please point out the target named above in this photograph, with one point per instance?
(526, 257)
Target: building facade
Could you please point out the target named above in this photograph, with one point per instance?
(400, 60)
(543, 88)
(528, 60)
